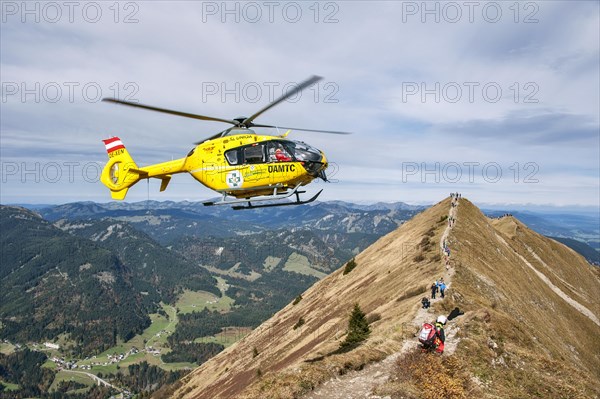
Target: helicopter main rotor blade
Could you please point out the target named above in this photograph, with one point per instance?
(313, 79)
(169, 111)
(303, 130)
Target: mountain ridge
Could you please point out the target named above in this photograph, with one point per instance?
(513, 315)
(557, 223)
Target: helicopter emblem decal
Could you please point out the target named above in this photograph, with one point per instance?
(234, 179)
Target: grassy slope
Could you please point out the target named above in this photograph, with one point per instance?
(535, 330)
(9, 386)
(6, 349)
(66, 376)
(195, 301)
(518, 338)
(299, 264)
(325, 308)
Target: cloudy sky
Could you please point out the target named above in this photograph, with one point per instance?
(497, 100)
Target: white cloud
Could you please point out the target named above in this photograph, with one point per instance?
(370, 57)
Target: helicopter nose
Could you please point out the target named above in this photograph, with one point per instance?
(324, 164)
(324, 161)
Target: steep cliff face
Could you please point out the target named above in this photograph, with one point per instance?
(531, 311)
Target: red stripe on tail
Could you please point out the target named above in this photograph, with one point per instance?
(110, 140)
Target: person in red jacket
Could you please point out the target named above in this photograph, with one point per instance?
(281, 156)
(440, 338)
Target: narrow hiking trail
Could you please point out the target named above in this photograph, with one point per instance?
(360, 383)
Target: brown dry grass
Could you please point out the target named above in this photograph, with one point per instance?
(423, 375)
(508, 362)
(294, 383)
(386, 281)
(518, 338)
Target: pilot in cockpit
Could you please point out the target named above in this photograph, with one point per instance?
(281, 155)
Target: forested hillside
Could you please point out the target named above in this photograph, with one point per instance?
(158, 272)
(56, 284)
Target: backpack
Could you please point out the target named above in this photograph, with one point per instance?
(427, 335)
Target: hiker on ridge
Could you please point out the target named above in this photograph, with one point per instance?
(425, 303)
(442, 286)
(440, 334)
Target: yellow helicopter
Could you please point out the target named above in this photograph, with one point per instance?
(236, 162)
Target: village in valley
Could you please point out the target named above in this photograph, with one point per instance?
(146, 347)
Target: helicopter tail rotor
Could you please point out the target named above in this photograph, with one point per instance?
(121, 172)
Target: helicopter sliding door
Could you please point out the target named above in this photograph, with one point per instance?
(251, 154)
(254, 153)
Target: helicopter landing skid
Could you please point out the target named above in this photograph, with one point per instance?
(248, 203)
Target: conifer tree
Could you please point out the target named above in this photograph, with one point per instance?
(349, 266)
(358, 328)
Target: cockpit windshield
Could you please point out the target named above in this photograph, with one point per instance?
(304, 152)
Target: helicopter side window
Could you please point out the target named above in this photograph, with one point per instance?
(232, 156)
(254, 154)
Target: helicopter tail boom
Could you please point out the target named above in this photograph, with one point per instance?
(121, 171)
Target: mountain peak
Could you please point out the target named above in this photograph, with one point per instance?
(18, 212)
(529, 292)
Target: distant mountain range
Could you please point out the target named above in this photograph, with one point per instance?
(179, 219)
(192, 218)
